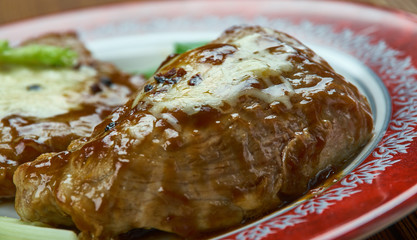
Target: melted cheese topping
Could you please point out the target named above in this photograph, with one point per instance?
(226, 82)
(42, 92)
(143, 128)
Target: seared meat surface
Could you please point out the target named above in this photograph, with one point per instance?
(42, 109)
(217, 136)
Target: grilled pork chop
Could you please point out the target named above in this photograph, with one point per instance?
(219, 135)
(42, 109)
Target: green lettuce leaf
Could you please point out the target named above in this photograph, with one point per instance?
(12, 229)
(43, 55)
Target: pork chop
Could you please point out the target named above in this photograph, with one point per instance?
(220, 135)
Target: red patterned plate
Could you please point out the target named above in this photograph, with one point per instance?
(374, 48)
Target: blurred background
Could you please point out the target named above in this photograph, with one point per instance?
(14, 10)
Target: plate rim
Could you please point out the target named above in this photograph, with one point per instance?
(112, 6)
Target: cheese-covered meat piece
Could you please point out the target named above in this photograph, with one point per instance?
(42, 109)
(220, 134)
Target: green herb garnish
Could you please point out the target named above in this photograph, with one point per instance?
(34, 54)
(178, 49)
(185, 46)
(11, 229)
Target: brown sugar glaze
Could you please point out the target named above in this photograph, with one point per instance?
(24, 138)
(192, 164)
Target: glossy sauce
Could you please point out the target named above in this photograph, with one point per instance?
(51, 108)
(219, 136)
